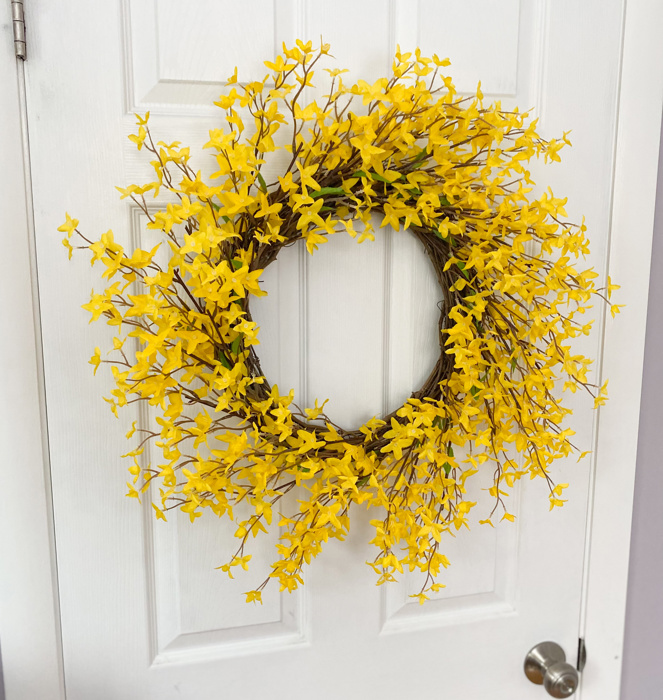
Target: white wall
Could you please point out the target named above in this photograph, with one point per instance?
(642, 677)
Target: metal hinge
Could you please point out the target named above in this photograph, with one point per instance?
(18, 20)
(582, 654)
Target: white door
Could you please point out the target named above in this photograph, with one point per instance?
(144, 612)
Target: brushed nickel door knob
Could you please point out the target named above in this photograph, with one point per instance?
(545, 664)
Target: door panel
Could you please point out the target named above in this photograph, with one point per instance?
(144, 611)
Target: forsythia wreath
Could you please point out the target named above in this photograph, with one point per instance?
(413, 155)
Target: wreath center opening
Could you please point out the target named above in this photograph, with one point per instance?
(357, 324)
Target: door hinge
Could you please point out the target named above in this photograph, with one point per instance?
(582, 654)
(18, 20)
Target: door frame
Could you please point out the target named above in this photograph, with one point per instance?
(29, 618)
(29, 632)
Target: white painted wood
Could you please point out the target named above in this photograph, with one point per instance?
(188, 80)
(470, 31)
(122, 584)
(29, 634)
(345, 307)
(365, 54)
(634, 197)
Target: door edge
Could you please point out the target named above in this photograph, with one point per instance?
(636, 152)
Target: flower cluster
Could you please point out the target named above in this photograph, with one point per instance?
(407, 152)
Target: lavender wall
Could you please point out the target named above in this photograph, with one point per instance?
(643, 650)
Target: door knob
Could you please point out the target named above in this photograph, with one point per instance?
(546, 665)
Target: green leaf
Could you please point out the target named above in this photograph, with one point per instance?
(461, 266)
(420, 156)
(261, 180)
(234, 348)
(223, 359)
(326, 190)
(474, 391)
(450, 450)
(226, 218)
(514, 364)
(447, 468)
(372, 176)
(444, 201)
(379, 178)
(236, 263)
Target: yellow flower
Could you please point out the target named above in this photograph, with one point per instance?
(95, 360)
(69, 226)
